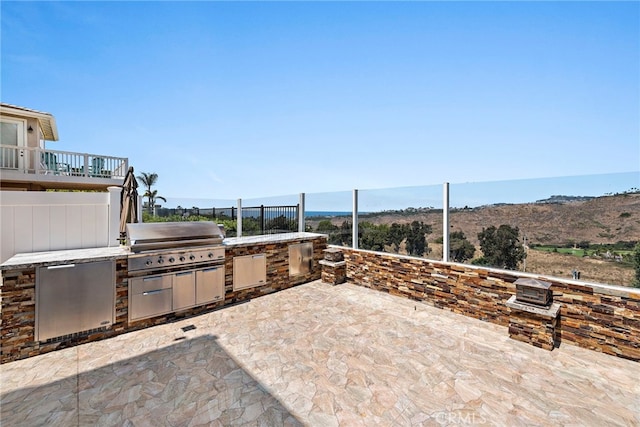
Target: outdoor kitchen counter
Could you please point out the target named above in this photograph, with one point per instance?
(38, 259)
(69, 256)
(19, 288)
(269, 238)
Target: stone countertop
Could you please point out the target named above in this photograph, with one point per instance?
(69, 256)
(269, 238)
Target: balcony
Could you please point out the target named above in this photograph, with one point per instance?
(41, 169)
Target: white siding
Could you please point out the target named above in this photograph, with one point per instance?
(41, 227)
(34, 221)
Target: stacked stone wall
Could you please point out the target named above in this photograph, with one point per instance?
(598, 317)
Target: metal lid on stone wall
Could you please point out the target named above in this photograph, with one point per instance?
(333, 254)
(532, 283)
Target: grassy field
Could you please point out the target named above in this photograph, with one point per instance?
(591, 270)
(561, 265)
(570, 251)
(576, 251)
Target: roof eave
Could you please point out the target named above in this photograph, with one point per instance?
(46, 121)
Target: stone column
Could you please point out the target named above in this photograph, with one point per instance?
(533, 325)
(334, 267)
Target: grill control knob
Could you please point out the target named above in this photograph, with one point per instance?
(192, 257)
(172, 259)
(182, 258)
(210, 254)
(148, 262)
(160, 261)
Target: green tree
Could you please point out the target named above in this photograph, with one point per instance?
(460, 249)
(373, 237)
(333, 231)
(345, 236)
(250, 226)
(281, 223)
(416, 242)
(397, 234)
(152, 196)
(636, 264)
(149, 180)
(501, 247)
(326, 227)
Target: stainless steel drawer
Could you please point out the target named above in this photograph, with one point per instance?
(150, 283)
(150, 303)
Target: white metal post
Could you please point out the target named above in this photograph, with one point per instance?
(445, 222)
(114, 215)
(524, 247)
(354, 234)
(139, 208)
(239, 221)
(301, 225)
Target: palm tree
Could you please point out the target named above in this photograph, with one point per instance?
(152, 196)
(149, 180)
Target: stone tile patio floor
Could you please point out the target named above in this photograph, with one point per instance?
(319, 355)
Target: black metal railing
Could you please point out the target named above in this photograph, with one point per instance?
(269, 219)
(210, 213)
(256, 220)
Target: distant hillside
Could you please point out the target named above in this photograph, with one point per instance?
(565, 199)
(560, 219)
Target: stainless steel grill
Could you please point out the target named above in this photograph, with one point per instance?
(163, 245)
(143, 236)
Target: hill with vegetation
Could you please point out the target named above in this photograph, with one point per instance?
(597, 220)
(549, 225)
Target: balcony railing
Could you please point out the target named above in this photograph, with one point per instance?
(63, 163)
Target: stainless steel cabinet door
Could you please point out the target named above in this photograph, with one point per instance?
(210, 285)
(249, 271)
(184, 290)
(300, 258)
(73, 298)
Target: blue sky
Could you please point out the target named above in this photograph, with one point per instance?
(227, 100)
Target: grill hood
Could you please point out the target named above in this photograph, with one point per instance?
(166, 235)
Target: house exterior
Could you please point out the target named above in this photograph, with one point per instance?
(27, 164)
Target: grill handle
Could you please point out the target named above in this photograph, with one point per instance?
(57, 267)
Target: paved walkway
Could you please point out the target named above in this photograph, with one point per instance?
(319, 355)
